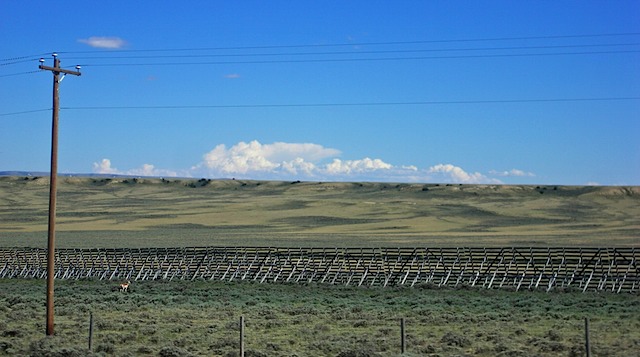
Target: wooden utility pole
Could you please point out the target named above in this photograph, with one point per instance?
(52, 183)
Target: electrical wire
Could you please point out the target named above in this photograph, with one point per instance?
(290, 105)
(25, 112)
(18, 74)
(373, 59)
(26, 58)
(109, 55)
(369, 43)
(310, 105)
(383, 43)
(354, 52)
(360, 59)
(16, 62)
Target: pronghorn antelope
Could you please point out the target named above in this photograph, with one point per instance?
(124, 287)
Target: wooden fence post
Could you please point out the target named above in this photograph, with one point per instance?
(587, 343)
(241, 336)
(90, 331)
(403, 341)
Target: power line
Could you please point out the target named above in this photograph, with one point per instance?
(351, 104)
(382, 43)
(291, 105)
(16, 62)
(372, 59)
(18, 74)
(356, 52)
(386, 43)
(25, 112)
(360, 59)
(26, 58)
(108, 55)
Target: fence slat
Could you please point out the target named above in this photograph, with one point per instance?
(600, 269)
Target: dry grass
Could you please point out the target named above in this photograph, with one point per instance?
(128, 212)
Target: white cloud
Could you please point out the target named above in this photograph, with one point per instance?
(512, 173)
(254, 157)
(456, 174)
(307, 161)
(241, 158)
(283, 160)
(104, 167)
(339, 167)
(299, 167)
(149, 170)
(288, 151)
(104, 42)
(232, 76)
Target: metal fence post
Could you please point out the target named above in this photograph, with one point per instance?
(587, 343)
(241, 336)
(90, 331)
(403, 340)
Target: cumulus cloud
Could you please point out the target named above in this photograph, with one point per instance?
(307, 161)
(104, 167)
(298, 167)
(512, 173)
(104, 42)
(339, 167)
(254, 157)
(456, 174)
(241, 158)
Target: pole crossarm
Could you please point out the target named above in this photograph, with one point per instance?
(58, 70)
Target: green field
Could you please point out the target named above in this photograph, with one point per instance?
(130, 212)
(201, 318)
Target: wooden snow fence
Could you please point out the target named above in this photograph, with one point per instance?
(601, 269)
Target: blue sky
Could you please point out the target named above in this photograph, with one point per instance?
(512, 92)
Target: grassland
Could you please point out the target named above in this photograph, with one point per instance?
(132, 212)
(200, 318)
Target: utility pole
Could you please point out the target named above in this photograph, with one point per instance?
(52, 183)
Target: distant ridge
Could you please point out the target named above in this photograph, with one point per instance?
(46, 173)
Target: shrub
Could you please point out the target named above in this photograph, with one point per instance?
(254, 353)
(13, 333)
(361, 323)
(5, 347)
(356, 353)
(106, 347)
(49, 347)
(173, 351)
(144, 349)
(553, 335)
(454, 339)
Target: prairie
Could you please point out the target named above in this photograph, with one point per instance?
(200, 318)
(140, 212)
